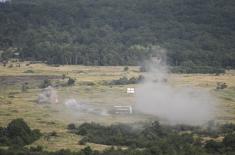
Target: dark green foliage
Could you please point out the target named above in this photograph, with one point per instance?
(125, 135)
(71, 126)
(214, 147)
(198, 69)
(87, 151)
(227, 128)
(24, 87)
(115, 134)
(229, 142)
(36, 149)
(63, 76)
(119, 32)
(29, 71)
(71, 82)
(155, 138)
(152, 139)
(125, 81)
(126, 68)
(46, 83)
(53, 134)
(18, 133)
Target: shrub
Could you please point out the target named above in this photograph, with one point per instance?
(125, 81)
(63, 76)
(227, 128)
(213, 146)
(71, 82)
(87, 150)
(53, 134)
(126, 68)
(29, 71)
(229, 141)
(36, 149)
(19, 133)
(24, 87)
(83, 141)
(71, 126)
(45, 83)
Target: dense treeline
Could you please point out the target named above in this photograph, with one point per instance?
(105, 32)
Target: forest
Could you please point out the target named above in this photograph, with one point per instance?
(121, 32)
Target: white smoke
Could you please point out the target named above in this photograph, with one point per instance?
(177, 105)
(84, 108)
(48, 95)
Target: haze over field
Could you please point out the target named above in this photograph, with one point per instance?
(177, 105)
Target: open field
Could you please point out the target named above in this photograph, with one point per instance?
(89, 88)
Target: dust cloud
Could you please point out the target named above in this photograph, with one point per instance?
(176, 105)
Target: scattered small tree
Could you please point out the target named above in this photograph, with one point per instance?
(46, 83)
(71, 126)
(221, 86)
(126, 68)
(71, 81)
(63, 76)
(24, 87)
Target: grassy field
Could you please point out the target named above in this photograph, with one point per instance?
(89, 88)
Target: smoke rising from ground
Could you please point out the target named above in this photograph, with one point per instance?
(177, 105)
(48, 95)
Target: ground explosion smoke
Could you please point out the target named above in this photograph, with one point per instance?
(184, 105)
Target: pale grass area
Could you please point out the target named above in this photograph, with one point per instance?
(66, 140)
(49, 118)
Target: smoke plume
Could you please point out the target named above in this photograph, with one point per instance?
(177, 105)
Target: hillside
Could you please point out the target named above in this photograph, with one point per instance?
(120, 32)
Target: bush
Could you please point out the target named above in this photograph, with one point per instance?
(83, 141)
(53, 134)
(71, 126)
(227, 128)
(125, 81)
(46, 83)
(126, 68)
(36, 149)
(18, 133)
(29, 71)
(24, 87)
(213, 146)
(87, 150)
(63, 76)
(71, 82)
(229, 141)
